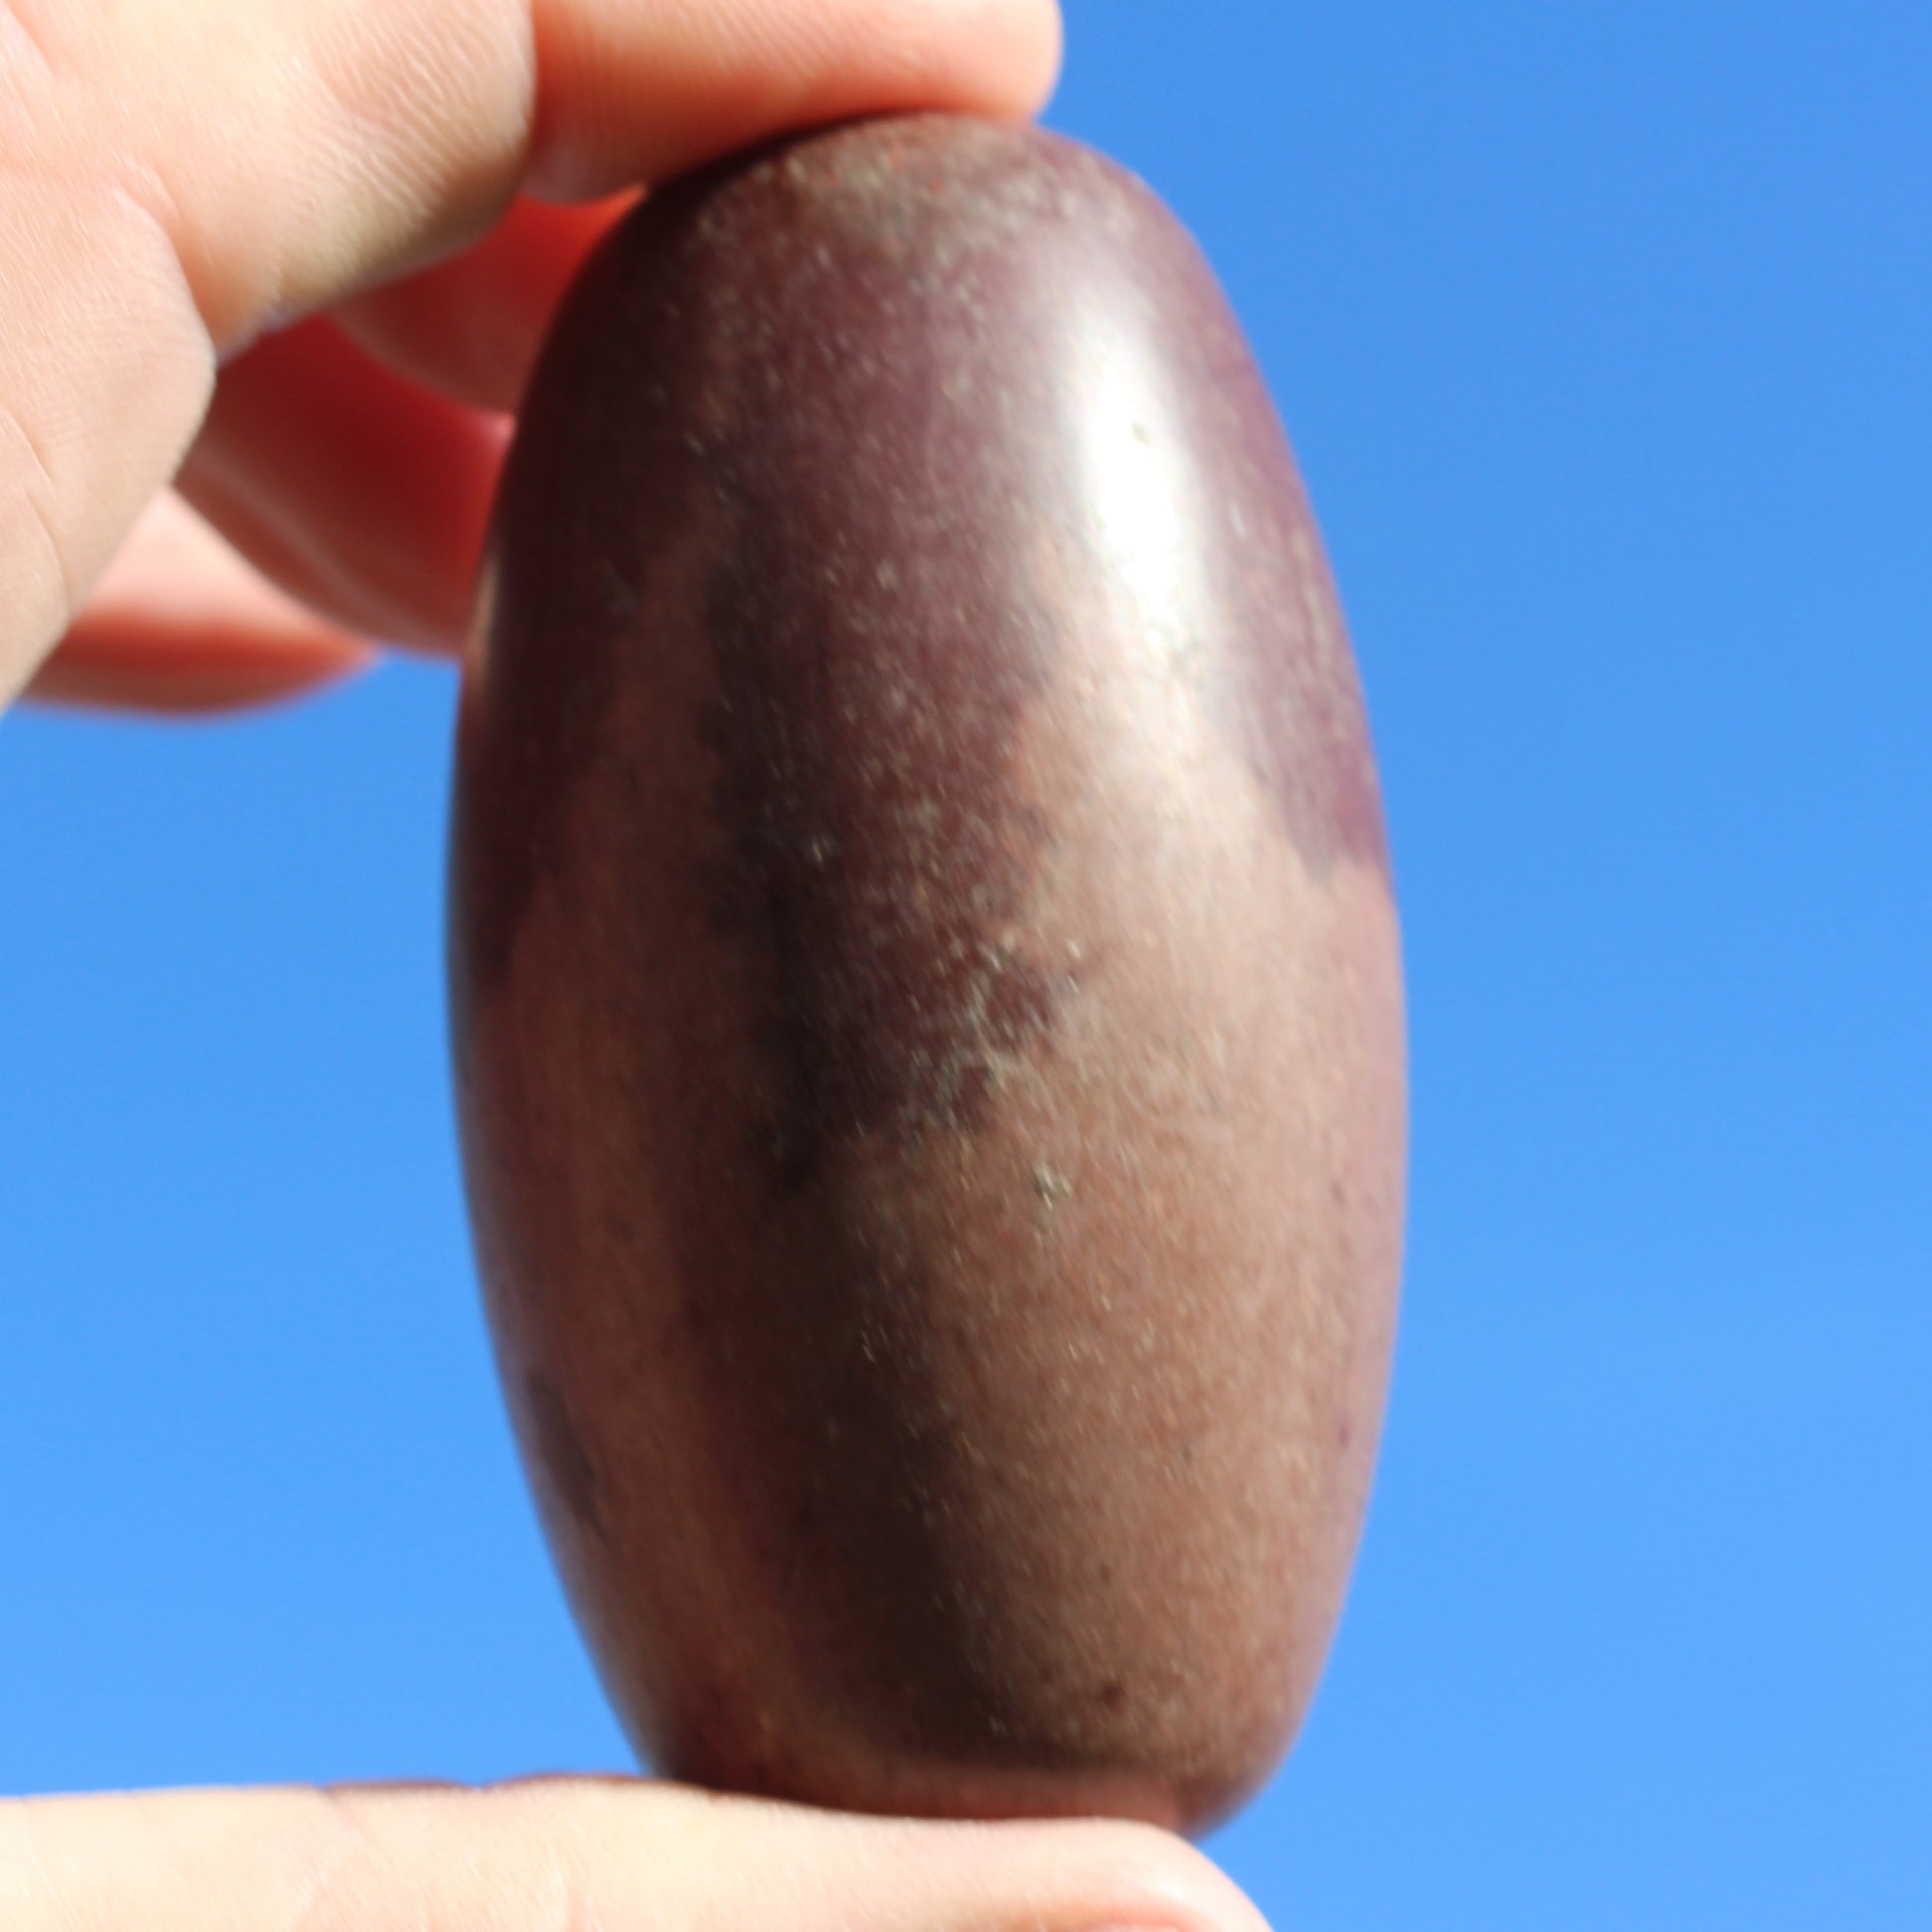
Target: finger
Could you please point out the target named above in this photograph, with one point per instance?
(181, 623)
(361, 494)
(537, 1857)
(135, 252)
(469, 327)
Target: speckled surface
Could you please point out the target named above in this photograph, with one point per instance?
(927, 993)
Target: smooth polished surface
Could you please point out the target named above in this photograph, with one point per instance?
(928, 1009)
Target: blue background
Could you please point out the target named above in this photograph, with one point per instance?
(1602, 332)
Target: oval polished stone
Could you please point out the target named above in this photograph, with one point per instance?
(925, 990)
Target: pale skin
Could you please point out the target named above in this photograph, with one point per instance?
(272, 273)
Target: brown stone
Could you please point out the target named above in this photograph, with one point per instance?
(927, 998)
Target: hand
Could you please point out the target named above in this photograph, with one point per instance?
(578, 1856)
(296, 255)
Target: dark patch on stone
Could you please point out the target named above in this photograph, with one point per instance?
(874, 649)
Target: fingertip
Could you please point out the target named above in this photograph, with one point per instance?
(1034, 52)
(180, 626)
(205, 677)
(999, 57)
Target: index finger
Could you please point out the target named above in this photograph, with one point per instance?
(178, 176)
